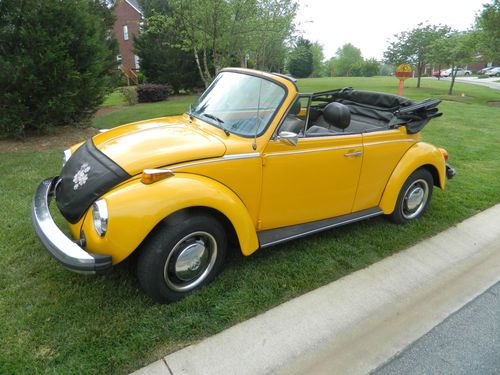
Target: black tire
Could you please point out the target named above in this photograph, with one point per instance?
(181, 256)
(414, 197)
(467, 74)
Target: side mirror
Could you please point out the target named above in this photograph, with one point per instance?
(288, 138)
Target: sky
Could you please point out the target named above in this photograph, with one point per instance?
(368, 25)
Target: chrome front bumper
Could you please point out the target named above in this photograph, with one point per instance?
(62, 248)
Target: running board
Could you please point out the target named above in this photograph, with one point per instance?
(278, 235)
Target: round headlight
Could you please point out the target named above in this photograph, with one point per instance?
(100, 217)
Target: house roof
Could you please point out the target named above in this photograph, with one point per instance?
(134, 4)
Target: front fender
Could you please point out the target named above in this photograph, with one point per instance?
(419, 155)
(135, 209)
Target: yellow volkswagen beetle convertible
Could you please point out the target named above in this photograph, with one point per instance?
(252, 164)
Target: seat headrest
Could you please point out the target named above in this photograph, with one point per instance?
(337, 114)
(292, 124)
(295, 108)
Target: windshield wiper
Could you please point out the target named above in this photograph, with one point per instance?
(219, 121)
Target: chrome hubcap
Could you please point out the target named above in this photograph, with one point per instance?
(415, 199)
(190, 261)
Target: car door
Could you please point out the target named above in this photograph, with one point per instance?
(382, 150)
(312, 180)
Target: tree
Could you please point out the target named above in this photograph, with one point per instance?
(347, 58)
(155, 7)
(371, 68)
(488, 31)
(56, 58)
(454, 49)
(300, 62)
(414, 47)
(317, 59)
(273, 27)
(220, 32)
(162, 59)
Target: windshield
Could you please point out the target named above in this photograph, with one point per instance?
(239, 103)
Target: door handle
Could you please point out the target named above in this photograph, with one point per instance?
(357, 153)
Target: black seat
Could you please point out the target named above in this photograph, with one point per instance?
(292, 122)
(336, 116)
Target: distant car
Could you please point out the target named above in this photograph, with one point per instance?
(461, 72)
(436, 73)
(485, 70)
(494, 72)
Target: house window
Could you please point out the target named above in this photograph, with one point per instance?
(119, 60)
(136, 61)
(125, 32)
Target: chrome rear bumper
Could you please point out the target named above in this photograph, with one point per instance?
(62, 248)
(450, 171)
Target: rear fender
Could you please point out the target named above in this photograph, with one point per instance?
(419, 155)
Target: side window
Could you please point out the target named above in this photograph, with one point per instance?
(125, 32)
(296, 118)
(304, 108)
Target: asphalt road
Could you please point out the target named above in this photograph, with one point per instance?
(467, 342)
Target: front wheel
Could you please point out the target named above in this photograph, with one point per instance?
(180, 257)
(414, 197)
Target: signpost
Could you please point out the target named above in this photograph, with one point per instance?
(403, 72)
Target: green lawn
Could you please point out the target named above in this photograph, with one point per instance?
(55, 321)
(115, 98)
(126, 114)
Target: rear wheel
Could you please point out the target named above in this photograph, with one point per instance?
(180, 257)
(414, 197)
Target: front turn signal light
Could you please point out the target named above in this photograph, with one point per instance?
(444, 153)
(150, 176)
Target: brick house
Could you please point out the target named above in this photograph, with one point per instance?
(128, 18)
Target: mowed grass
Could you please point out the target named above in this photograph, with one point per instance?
(125, 114)
(55, 321)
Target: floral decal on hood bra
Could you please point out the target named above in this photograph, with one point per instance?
(81, 176)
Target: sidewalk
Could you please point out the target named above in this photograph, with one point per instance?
(357, 323)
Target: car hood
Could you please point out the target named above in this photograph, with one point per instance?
(156, 143)
(114, 156)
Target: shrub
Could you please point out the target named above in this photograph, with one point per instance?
(130, 95)
(140, 77)
(151, 92)
(55, 59)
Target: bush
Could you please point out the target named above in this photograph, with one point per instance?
(55, 59)
(140, 77)
(151, 92)
(130, 95)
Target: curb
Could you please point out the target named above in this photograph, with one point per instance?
(355, 324)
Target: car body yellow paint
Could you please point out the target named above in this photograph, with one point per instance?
(135, 209)
(256, 183)
(419, 155)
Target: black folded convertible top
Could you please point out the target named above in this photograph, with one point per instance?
(397, 110)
